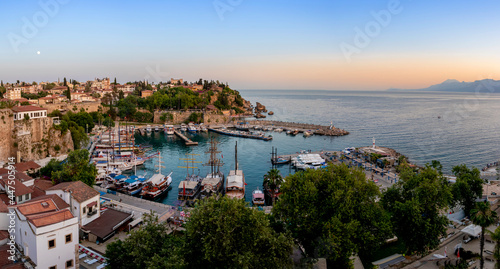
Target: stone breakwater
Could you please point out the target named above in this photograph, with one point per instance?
(301, 127)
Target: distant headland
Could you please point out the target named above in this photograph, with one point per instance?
(453, 85)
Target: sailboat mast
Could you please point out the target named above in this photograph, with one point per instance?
(236, 156)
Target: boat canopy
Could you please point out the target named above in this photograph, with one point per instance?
(120, 177)
(130, 181)
(235, 179)
(187, 184)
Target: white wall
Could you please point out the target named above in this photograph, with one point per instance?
(63, 251)
(85, 218)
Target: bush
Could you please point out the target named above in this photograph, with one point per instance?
(57, 148)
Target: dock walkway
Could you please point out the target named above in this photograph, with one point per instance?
(187, 141)
(301, 127)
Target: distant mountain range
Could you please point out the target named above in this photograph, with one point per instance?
(453, 85)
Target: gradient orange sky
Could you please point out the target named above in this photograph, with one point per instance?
(255, 44)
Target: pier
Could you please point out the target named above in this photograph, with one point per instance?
(187, 141)
(241, 134)
(301, 127)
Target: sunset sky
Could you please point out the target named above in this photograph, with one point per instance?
(253, 44)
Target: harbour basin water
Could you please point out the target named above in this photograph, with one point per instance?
(453, 128)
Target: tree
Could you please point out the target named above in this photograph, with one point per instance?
(415, 204)
(147, 247)
(77, 167)
(65, 83)
(496, 253)
(333, 213)
(483, 216)
(224, 233)
(468, 187)
(272, 182)
(53, 166)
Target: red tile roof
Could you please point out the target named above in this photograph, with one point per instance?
(27, 108)
(4, 259)
(37, 207)
(19, 188)
(80, 191)
(25, 166)
(44, 219)
(3, 206)
(58, 201)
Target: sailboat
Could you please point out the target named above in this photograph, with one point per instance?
(235, 181)
(189, 189)
(213, 183)
(158, 184)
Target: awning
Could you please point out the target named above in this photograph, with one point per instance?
(473, 230)
(91, 204)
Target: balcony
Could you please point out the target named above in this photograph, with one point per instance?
(91, 213)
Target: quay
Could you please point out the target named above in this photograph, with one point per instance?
(187, 141)
(241, 134)
(301, 127)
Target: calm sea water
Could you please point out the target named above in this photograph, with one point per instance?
(467, 132)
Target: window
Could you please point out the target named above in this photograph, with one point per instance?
(52, 243)
(69, 238)
(69, 264)
(53, 267)
(84, 210)
(27, 197)
(20, 198)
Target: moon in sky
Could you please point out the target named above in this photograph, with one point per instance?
(38, 52)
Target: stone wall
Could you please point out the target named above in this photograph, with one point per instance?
(87, 106)
(31, 139)
(37, 139)
(6, 136)
(181, 116)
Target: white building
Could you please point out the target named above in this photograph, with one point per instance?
(47, 233)
(82, 199)
(14, 93)
(33, 112)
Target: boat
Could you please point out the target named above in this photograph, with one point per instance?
(307, 133)
(235, 181)
(203, 128)
(213, 183)
(294, 132)
(158, 184)
(157, 129)
(279, 130)
(148, 129)
(242, 126)
(183, 127)
(191, 128)
(169, 129)
(258, 198)
(190, 188)
(280, 160)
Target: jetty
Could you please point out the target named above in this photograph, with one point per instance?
(241, 134)
(187, 141)
(301, 127)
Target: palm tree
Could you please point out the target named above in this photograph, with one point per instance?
(483, 216)
(496, 253)
(272, 181)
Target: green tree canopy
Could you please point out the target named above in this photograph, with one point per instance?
(333, 213)
(468, 187)
(224, 233)
(147, 247)
(76, 167)
(272, 182)
(483, 216)
(415, 203)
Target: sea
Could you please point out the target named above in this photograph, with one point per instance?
(453, 128)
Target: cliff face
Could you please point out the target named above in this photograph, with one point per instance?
(31, 139)
(6, 136)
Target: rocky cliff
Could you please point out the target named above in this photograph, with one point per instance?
(31, 139)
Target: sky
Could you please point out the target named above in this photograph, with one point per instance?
(253, 44)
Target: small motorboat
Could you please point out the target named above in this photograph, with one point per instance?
(258, 198)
